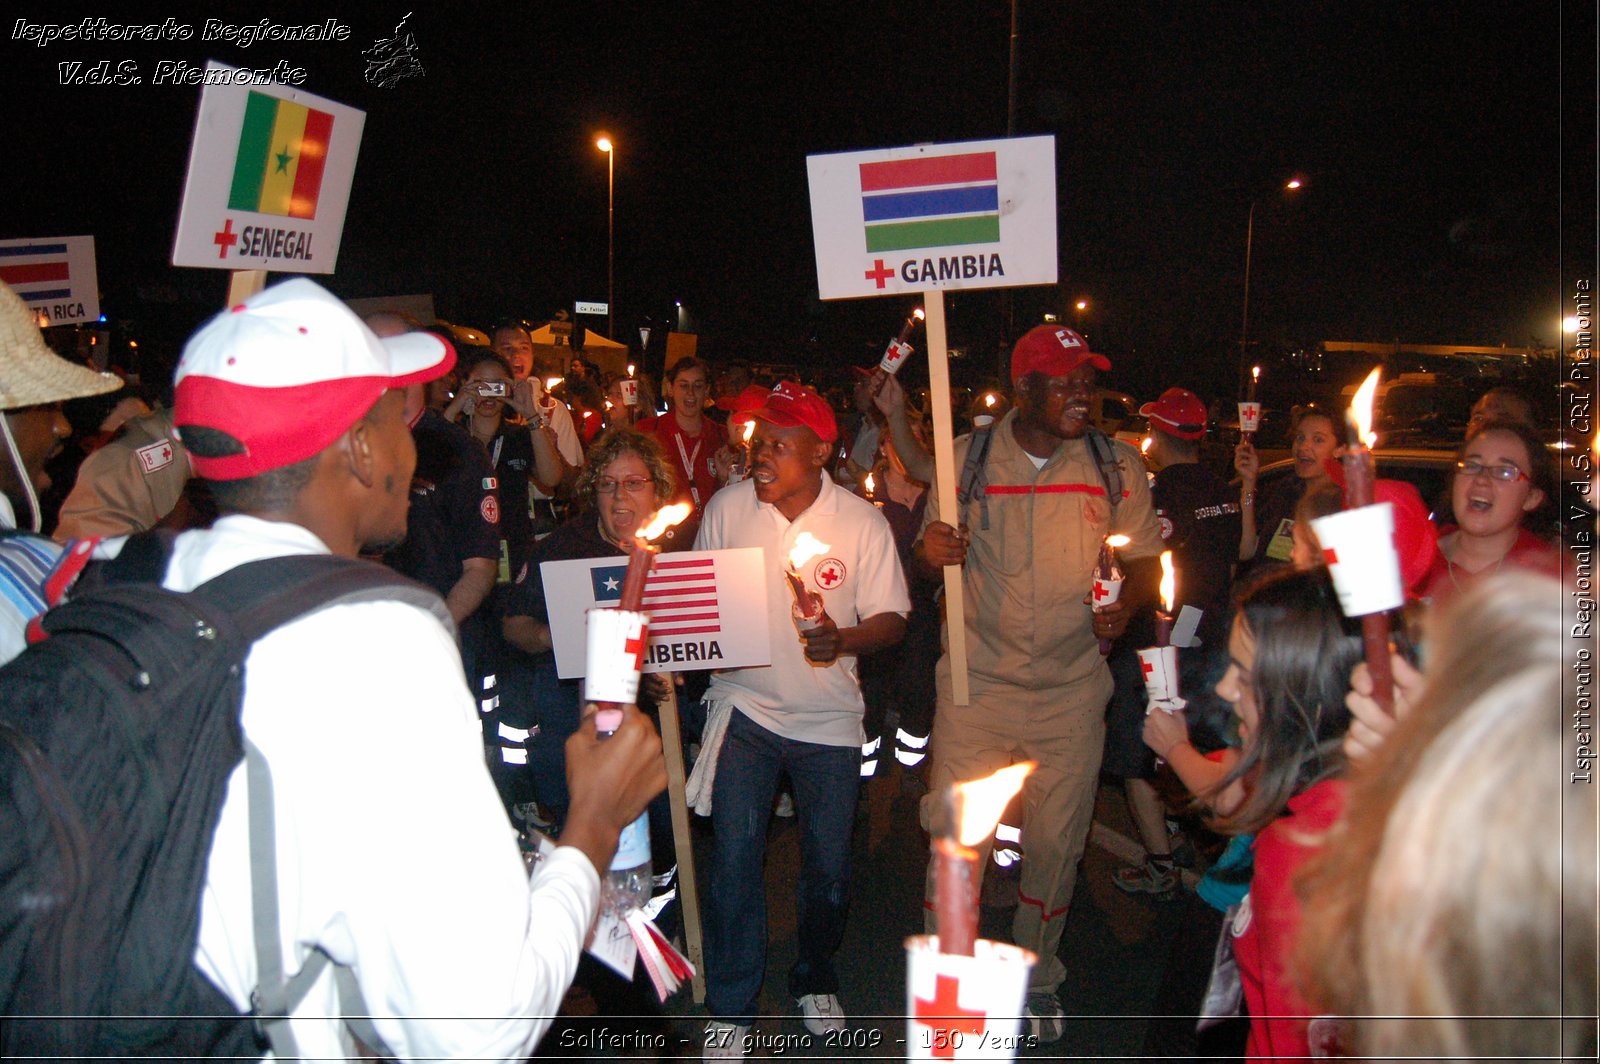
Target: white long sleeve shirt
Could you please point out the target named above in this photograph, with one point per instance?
(394, 854)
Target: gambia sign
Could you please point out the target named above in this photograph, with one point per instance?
(708, 609)
(269, 179)
(981, 214)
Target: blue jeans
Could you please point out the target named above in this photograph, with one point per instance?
(825, 781)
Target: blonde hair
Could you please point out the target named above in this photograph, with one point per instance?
(1465, 854)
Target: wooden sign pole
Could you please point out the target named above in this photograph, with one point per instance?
(242, 284)
(944, 467)
(682, 840)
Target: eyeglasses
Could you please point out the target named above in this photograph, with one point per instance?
(1508, 473)
(632, 485)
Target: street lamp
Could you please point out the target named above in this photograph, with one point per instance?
(1249, 241)
(604, 143)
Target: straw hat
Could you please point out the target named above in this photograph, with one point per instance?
(31, 373)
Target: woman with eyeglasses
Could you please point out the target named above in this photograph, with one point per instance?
(1501, 499)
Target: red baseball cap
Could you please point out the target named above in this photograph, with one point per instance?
(1179, 412)
(1053, 351)
(751, 397)
(791, 404)
(287, 371)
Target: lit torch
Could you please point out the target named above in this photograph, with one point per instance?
(808, 608)
(1169, 592)
(971, 811)
(1108, 580)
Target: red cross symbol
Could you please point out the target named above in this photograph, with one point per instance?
(1101, 591)
(166, 452)
(1146, 668)
(227, 238)
(953, 1019)
(879, 272)
(635, 645)
(828, 575)
(1330, 556)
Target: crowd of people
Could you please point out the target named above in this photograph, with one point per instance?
(1386, 883)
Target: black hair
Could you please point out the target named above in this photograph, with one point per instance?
(274, 490)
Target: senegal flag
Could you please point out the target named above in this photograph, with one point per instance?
(282, 150)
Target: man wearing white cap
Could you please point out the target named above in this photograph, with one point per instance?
(34, 382)
(398, 863)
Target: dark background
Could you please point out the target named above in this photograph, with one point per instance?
(1441, 195)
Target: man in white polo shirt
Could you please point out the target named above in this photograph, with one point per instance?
(802, 714)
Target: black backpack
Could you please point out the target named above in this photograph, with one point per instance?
(117, 737)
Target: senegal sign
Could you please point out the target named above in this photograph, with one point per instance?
(981, 214)
(708, 609)
(269, 179)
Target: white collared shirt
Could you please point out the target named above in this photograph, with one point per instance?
(859, 577)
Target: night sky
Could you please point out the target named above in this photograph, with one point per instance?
(1430, 137)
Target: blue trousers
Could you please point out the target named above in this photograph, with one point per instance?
(825, 780)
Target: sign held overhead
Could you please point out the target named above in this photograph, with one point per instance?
(979, 214)
(55, 276)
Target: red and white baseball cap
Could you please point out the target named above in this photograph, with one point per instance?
(1053, 351)
(287, 371)
(1179, 412)
(791, 404)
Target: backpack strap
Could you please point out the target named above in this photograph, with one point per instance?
(1105, 456)
(974, 474)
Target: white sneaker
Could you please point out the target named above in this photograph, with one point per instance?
(724, 1041)
(822, 1013)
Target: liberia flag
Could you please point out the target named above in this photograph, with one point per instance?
(37, 272)
(283, 147)
(931, 202)
(680, 595)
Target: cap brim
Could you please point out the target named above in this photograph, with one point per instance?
(418, 357)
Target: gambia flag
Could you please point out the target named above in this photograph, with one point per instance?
(282, 150)
(931, 203)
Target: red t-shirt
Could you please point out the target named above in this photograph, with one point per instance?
(1278, 1017)
(1528, 552)
(689, 456)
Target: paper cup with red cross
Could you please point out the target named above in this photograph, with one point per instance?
(617, 640)
(1160, 668)
(965, 1008)
(1249, 416)
(1358, 546)
(1105, 590)
(630, 391)
(895, 356)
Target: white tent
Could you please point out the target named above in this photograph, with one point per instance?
(552, 353)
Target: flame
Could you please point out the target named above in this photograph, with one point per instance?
(1169, 580)
(664, 519)
(988, 400)
(1118, 540)
(806, 547)
(630, 369)
(982, 802)
(749, 429)
(551, 382)
(919, 314)
(1144, 445)
(1361, 407)
(868, 483)
(1255, 373)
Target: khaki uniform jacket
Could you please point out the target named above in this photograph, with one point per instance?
(128, 485)
(1025, 578)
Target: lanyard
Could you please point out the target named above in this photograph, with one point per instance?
(689, 459)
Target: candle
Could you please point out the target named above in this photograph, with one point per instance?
(1358, 475)
(1108, 583)
(641, 556)
(1169, 591)
(970, 812)
(807, 603)
(1255, 378)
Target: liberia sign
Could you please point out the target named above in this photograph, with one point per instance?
(55, 276)
(269, 179)
(980, 214)
(708, 609)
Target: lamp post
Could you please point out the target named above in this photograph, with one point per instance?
(605, 144)
(1249, 243)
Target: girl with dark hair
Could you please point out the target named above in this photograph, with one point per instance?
(1501, 499)
(1290, 655)
(1268, 520)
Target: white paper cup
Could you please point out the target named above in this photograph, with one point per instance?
(965, 1008)
(1160, 667)
(895, 357)
(1105, 591)
(616, 650)
(1249, 416)
(1358, 546)
(630, 391)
